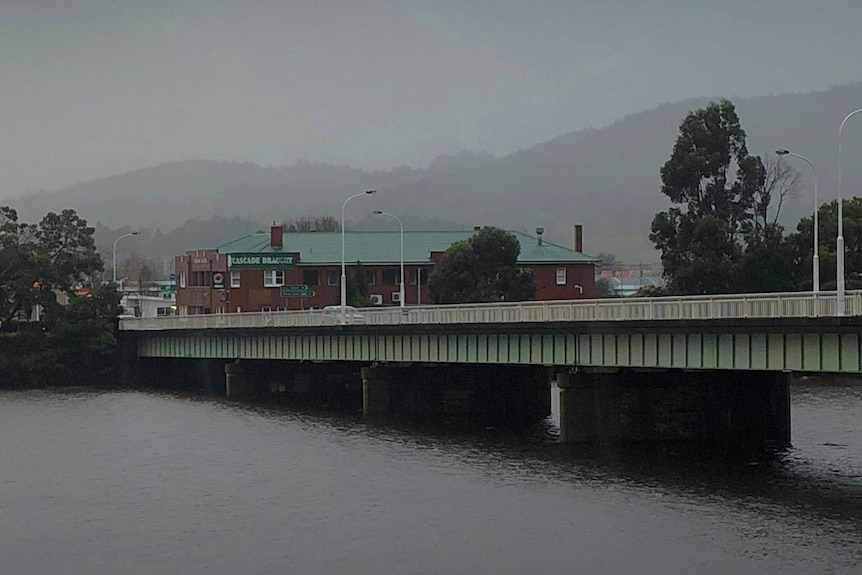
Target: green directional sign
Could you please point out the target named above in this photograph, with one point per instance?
(295, 287)
(295, 293)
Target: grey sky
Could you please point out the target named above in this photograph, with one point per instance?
(90, 88)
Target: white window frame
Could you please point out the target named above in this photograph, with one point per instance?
(561, 276)
(396, 296)
(182, 279)
(273, 278)
(235, 279)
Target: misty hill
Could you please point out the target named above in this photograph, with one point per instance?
(605, 178)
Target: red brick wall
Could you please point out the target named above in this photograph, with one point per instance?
(195, 268)
(251, 296)
(576, 275)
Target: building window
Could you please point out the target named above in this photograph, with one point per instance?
(182, 279)
(266, 309)
(333, 278)
(390, 277)
(421, 273)
(311, 277)
(281, 308)
(234, 279)
(561, 276)
(370, 277)
(273, 278)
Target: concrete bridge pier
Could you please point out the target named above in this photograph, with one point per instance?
(375, 390)
(578, 408)
(239, 382)
(736, 409)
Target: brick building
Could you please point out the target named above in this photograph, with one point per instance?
(289, 271)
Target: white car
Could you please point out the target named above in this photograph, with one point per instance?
(351, 314)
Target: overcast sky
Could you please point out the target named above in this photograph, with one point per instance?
(90, 88)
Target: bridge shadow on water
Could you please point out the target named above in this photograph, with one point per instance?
(784, 481)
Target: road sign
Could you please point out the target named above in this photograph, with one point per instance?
(172, 277)
(295, 287)
(295, 293)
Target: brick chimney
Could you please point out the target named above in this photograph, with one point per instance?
(579, 238)
(276, 236)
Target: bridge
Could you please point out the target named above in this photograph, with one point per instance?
(700, 366)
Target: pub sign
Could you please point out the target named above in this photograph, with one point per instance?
(262, 261)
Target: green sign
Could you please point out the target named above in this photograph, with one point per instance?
(295, 287)
(168, 287)
(262, 261)
(295, 293)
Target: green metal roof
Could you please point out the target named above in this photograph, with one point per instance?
(385, 247)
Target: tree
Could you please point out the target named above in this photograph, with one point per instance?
(607, 261)
(138, 270)
(802, 244)
(66, 250)
(780, 184)
(603, 288)
(482, 268)
(322, 223)
(18, 268)
(357, 287)
(37, 261)
(720, 230)
(83, 338)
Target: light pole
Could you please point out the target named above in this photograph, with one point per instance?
(401, 226)
(840, 241)
(816, 263)
(115, 251)
(343, 267)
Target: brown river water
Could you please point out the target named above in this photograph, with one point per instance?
(131, 482)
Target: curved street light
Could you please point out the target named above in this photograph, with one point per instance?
(401, 226)
(816, 262)
(343, 266)
(840, 240)
(114, 250)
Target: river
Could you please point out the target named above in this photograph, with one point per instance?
(99, 482)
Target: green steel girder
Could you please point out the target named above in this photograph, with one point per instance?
(801, 346)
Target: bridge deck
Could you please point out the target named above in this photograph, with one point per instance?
(766, 306)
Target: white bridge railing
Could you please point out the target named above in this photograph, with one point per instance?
(771, 305)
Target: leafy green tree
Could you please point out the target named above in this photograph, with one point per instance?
(37, 261)
(77, 343)
(719, 237)
(67, 252)
(83, 337)
(18, 268)
(802, 244)
(357, 287)
(482, 268)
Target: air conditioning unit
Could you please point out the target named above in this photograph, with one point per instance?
(376, 299)
(396, 296)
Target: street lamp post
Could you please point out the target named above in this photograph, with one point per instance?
(115, 251)
(816, 263)
(343, 266)
(840, 241)
(401, 226)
